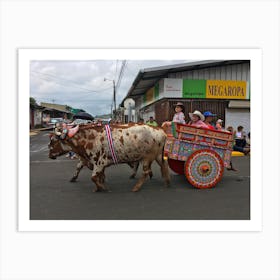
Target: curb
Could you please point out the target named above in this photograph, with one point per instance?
(33, 132)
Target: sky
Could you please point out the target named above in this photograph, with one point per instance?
(81, 85)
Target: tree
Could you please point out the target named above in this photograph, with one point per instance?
(32, 101)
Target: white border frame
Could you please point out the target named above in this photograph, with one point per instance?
(27, 55)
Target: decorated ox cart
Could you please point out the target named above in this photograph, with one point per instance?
(198, 153)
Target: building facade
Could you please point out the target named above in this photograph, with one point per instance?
(222, 87)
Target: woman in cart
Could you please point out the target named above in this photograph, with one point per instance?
(197, 119)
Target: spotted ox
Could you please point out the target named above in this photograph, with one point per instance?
(132, 143)
(58, 148)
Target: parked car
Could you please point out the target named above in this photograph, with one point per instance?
(81, 121)
(53, 121)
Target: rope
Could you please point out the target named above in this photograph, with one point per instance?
(111, 144)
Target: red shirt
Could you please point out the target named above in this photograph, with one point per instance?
(209, 126)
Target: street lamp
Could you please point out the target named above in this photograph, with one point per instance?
(114, 93)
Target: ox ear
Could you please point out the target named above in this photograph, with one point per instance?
(72, 131)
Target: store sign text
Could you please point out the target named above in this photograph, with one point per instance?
(226, 89)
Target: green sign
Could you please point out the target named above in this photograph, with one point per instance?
(194, 88)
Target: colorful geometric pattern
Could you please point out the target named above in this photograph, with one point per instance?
(203, 152)
(181, 150)
(204, 169)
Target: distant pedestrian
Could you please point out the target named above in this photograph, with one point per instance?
(151, 122)
(237, 148)
(230, 129)
(240, 137)
(71, 155)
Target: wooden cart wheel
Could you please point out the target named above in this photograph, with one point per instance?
(177, 166)
(204, 169)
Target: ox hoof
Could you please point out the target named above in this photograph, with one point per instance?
(96, 190)
(132, 177)
(73, 180)
(168, 185)
(101, 190)
(135, 190)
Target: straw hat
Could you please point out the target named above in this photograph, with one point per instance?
(197, 113)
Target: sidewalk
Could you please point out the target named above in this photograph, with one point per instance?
(35, 131)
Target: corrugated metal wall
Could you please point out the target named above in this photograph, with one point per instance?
(234, 72)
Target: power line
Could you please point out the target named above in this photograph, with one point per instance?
(121, 74)
(116, 69)
(89, 91)
(85, 89)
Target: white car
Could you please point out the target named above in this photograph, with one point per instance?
(53, 121)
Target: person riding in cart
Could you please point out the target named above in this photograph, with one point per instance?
(197, 119)
(209, 119)
(179, 116)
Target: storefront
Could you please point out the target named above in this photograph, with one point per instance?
(222, 88)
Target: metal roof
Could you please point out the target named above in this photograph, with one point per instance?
(148, 77)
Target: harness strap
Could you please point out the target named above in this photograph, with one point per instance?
(111, 144)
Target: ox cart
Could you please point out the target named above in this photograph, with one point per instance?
(198, 153)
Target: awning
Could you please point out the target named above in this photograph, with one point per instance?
(239, 104)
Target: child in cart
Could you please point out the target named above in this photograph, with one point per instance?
(178, 117)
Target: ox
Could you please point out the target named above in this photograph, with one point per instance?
(131, 144)
(57, 148)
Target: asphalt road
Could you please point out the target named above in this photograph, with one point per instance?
(53, 197)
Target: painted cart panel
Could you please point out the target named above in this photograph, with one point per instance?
(183, 140)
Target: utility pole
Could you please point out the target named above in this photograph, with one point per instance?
(114, 96)
(115, 107)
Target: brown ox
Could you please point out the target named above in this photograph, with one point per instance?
(132, 144)
(58, 148)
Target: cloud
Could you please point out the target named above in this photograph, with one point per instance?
(80, 84)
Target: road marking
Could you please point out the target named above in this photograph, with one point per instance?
(42, 149)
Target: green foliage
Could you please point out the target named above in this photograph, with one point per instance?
(32, 101)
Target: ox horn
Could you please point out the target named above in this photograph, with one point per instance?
(72, 131)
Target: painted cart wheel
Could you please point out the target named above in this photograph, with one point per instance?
(176, 166)
(204, 169)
